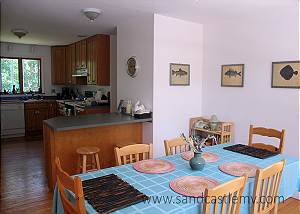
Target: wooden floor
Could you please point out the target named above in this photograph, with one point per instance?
(23, 183)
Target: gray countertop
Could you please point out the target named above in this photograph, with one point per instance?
(90, 121)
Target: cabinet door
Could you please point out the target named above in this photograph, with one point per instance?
(91, 62)
(68, 79)
(41, 114)
(30, 120)
(70, 64)
(58, 58)
(73, 62)
(78, 54)
(83, 53)
(52, 110)
(103, 60)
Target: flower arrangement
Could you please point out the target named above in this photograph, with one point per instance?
(196, 143)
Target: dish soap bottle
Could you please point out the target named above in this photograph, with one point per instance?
(14, 91)
(129, 107)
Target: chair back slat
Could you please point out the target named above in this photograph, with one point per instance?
(266, 132)
(175, 146)
(266, 188)
(64, 183)
(225, 193)
(133, 153)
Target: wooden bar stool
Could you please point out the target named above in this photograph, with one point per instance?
(84, 154)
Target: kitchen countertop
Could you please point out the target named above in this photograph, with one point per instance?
(90, 121)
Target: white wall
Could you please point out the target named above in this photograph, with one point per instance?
(271, 35)
(32, 51)
(175, 41)
(135, 38)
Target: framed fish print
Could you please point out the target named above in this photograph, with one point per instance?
(232, 75)
(286, 74)
(179, 74)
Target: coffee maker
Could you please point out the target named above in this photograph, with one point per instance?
(65, 93)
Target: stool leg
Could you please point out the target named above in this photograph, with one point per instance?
(93, 162)
(84, 164)
(79, 164)
(97, 161)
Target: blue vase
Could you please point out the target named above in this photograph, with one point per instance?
(197, 162)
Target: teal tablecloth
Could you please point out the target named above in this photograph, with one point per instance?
(170, 202)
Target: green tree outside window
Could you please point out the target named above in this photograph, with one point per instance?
(13, 70)
(9, 74)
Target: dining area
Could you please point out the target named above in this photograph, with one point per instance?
(190, 178)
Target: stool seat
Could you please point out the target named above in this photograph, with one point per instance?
(87, 153)
(87, 150)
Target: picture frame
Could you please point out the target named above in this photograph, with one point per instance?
(232, 75)
(285, 74)
(179, 74)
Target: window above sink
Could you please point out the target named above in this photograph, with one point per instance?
(23, 73)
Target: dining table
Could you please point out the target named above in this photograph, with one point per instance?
(162, 199)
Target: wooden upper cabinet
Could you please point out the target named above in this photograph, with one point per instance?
(81, 52)
(58, 62)
(92, 53)
(73, 61)
(70, 64)
(78, 54)
(91, 61)
(98, 60)
(68, 78)
(103, 59)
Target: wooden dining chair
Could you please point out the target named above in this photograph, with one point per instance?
(133, 153)
(268, 133)
(176, 145)
(224, 197)
(265, 189)
(65, 182)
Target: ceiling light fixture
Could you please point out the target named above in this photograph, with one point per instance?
(91, 13)
(19, 32)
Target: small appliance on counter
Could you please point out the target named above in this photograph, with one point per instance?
(140, 112)
(65, 93)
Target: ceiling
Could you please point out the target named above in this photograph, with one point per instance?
(58, 22)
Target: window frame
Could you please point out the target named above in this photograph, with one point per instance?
(20, 66)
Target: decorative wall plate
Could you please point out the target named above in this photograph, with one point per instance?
(132, 66)
(239, 169)
(193, 186)
(207, 156)
(154, 166)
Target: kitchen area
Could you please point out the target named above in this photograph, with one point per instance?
(66, 100)
(80, 85)
(78, 107)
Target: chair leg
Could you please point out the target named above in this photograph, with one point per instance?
(84, 164)
(275, 209)
(97, 161)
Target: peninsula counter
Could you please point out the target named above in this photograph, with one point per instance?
(63, 135)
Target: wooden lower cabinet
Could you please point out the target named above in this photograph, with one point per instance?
(35, 113)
